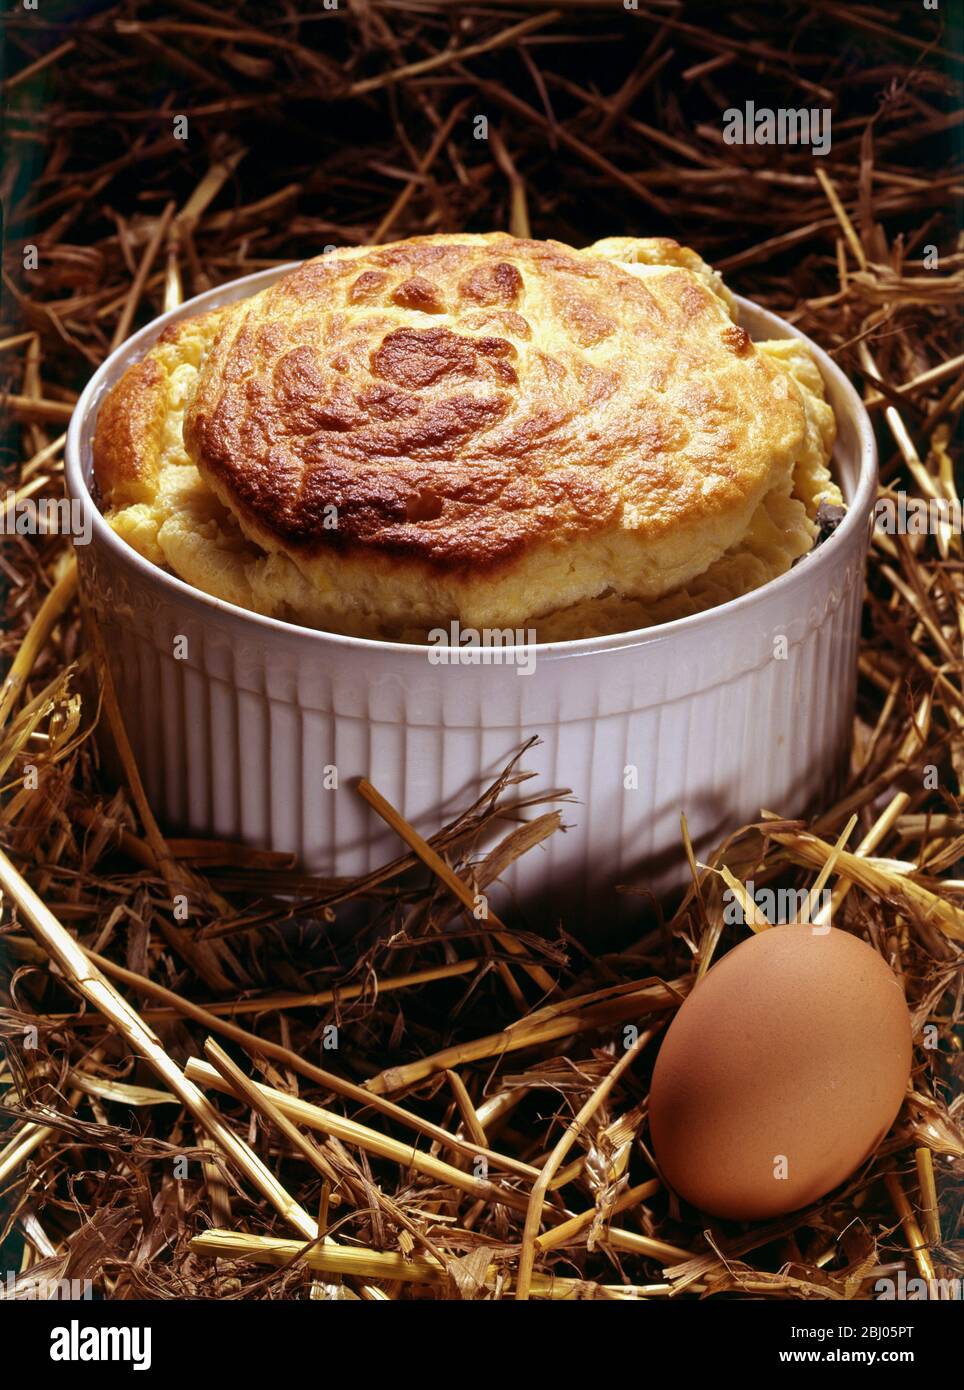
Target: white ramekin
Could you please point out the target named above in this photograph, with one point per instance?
(234, 739)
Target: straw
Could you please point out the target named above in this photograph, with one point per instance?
(100, 993)
(379, 1001)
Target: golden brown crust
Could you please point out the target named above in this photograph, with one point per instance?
(464, 400)
(472, 428)
(129, 424)
(135, 418)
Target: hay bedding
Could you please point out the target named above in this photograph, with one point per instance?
(508, 1069)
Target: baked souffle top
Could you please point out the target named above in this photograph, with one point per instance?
(502, 432)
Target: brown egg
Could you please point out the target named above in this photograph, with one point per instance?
(780, 1074)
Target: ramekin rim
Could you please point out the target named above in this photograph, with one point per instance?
(798, 576)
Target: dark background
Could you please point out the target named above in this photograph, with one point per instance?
(602, 121)
(611, 118)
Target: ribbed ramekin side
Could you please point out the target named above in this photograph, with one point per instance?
(236, 753)
(248, 730)
(769, 737)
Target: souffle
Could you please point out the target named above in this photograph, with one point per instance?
(480, 430)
